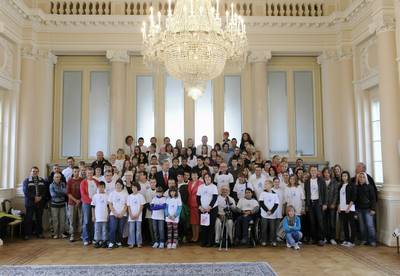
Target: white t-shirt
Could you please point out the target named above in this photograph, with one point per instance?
(92, 188)
(110, 186)
(134, 202)
(247, 204)
(314, 189)
(295, 196)
(270, 199)
(100, 201)
(144, 186)
(206, 193)
(150, 194)
(158, 214)
(172, 207)
(222, 204)
(119, 163)
(342, 204)
(192, 162)
(258, 184)
(118, 200)
(240, 189)
(67, 172)
(223, 180)
(198, 149)
(281, 196)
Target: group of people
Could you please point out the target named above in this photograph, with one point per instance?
(168, 195)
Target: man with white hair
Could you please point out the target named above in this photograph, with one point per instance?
(362, 168)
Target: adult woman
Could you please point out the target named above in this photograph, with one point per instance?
(245, 138)
(136, 152)
(337, 173)
(191, 156)
(207, 195)
(213, 157)
(347, 197)
(178, 144)
(129, 145)
(193, 187)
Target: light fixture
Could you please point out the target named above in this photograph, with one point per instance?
(193, 44)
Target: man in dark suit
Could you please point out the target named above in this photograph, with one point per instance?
(316, 203)
(164, 175)
(100, 162)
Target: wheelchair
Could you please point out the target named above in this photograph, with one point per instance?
(254, 232)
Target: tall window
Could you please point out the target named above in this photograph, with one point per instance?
(99, 106)
(232, 106)
(376, 141)
(294, 108)
(278, 113)
(71, 113)
(204, 116)
(144, 107)
(304, 106)
(174, 109)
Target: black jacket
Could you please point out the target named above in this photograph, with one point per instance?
(321, 192)
(366, 198)
(332, 192)
(160, 179)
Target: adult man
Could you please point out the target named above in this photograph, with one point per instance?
(74, 203)
(35, 192)
(223, 177)
(164, 175)
(257, 180)
(67, 172)
(143, 148)
(204, 141)
(315, 193)
(100, 161)
(361, 167)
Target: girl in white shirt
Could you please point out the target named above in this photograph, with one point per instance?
(294, 195)
(269, 203)
(135, 205)
(172, 212)
(347, 196)
(117, 203)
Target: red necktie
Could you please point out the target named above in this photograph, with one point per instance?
(165, 178)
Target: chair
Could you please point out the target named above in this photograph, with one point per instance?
(17, 222)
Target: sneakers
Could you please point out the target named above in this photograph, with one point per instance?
(373, 244)
(264, 244)
(333, 242)
(274, 244)
(161, 246)
(55, 237)
(119, 244)
(173, 246)
(110, 245)
(71, 239)
(296, 247)
(97, 245)
(347, 244)
(169, 246)
(64, 236)
(155, 245)
(288, 245)
(86, 243)
(321, 243)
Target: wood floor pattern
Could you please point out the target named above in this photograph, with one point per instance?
(310, 260)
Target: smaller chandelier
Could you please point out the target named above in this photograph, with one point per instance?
(192, 44)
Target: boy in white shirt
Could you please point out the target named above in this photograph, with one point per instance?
(248, 207)
(117, 203)
(157, 207)
(269, 203)
(150, 194)
(240, 187)
(223, 177)
(135, 204)
(257, 180)
(100, 216)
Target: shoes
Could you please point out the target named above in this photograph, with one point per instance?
(55, 237)
(273, 244)
(97, 245)
(173, 246)
(363, 243)
(169, 246)
(104, 245)
(64, 236)
(263, 244)
(130, 246)
(86, 243)
(296, 247)
(333, 242)
(110, 245)
(26, 238)
(155, 245)
(139, 246)
(373, 244)
(321, 243)
(119, 244)
(161, 246)
(71, 239)
(244, 241)
(40, 236)
(288, 245)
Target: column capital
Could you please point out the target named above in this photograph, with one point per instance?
(382, 23)
(29, 52)
(327, 55)
(256, 56)
(344, 52)
(47, 55)
(118, 55)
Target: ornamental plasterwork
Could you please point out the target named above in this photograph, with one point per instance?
(365, 68)
(6, 58)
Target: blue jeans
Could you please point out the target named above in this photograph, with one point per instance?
(116, 228)
(135, 233)
(158, 228)
(367, 227)
(87, 225)
(100, 231)
(293, 237)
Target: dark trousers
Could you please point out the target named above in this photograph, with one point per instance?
(330, 223)
(268, 230)
(207, 233)
(31, 211)
(243, 226)
(348, 223)
(116, 228)
(305, 225)
(316, 221)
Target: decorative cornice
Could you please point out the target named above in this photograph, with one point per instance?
(382, 23)
(118, 55)
(344, 52)
(367, 82)
(47, 55)
(259, 56)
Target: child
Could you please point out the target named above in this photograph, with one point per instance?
(280, 192)
(150, 194)
(172, 212)
(248, 207)
(117, 204)
(157, 207)
(347, 197)
(292, 226)
(135, 204)
(294, 195)
(100, 216)
(241, 186)
(269, 203)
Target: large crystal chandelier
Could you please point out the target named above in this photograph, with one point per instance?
(193, 44)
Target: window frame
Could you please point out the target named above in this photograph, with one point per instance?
(373, 97)
(291, 65)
